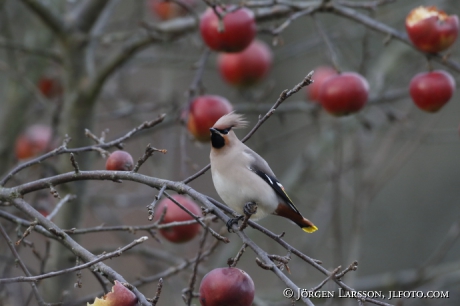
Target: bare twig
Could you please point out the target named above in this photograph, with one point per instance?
(320, 285)
(132, 228)
(157, 294)
(148, 152)
(74, 164)
(67, 198)
(39, 298)
(72, 245)
(293, 17)
(27, 232)
(55, 56)
(85, 15)
(187, 294)
(283, 96)
(78, 267)
(352, 267)
(213, 232)
(231, 262)
(369, 5)
(54, 192)
(330, 47)
(151, 207)
(79, 283)
(49, 18)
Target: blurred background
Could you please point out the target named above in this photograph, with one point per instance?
(381, 185)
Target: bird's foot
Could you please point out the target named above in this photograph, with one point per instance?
(233, 221)
(250, 208)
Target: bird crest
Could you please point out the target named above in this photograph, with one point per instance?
(231, 120)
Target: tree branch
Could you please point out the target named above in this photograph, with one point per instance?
(86, 14)
(100, 258)
(55, 56)
(76, 248)
(213, 205)
(47, 16)
(21, 264)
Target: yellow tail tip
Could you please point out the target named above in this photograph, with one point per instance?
(310, 229)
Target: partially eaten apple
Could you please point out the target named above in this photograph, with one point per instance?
(119, 296)
(430, 29)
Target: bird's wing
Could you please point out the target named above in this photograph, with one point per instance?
(260, 167)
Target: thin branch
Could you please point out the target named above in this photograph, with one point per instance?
(284, 95)
(21, 264)
(24, 223)
(327, 41)
(49, 18)
(76, 248)
(27, 232)
(148, 152)
(352, 267)
(291, 18)
(54, 56)
(131, 228)
(157, 294)
(74, 164)
(88, 264)
(213, 232)
(231, 262)
(127, 51)
(188, 293)
(448, 242)
(67, 198)
(86, 14)
(369, 5)
(151, 207)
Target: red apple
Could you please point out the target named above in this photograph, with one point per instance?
(238, 32)
(344, 94)
(247, 67)
(226, 286)
(182, 233)
(119, 296)
(432, 90)
(120, 161)
(166, 10)
(50, 87)
(34, 141)
(320, 75)
(204, 112)
(431, 30)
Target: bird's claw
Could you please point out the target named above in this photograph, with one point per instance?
(250, 208)
(233, 221)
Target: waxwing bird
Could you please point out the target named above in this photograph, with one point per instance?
(241, 176)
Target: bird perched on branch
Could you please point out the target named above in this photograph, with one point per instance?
(243, 179)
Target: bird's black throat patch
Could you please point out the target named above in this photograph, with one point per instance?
(217, 140)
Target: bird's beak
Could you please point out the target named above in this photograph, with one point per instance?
(214, 131)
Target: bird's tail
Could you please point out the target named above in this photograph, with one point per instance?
(295, 216)
(307, 226)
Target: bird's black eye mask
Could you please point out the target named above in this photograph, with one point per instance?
(224, 132)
